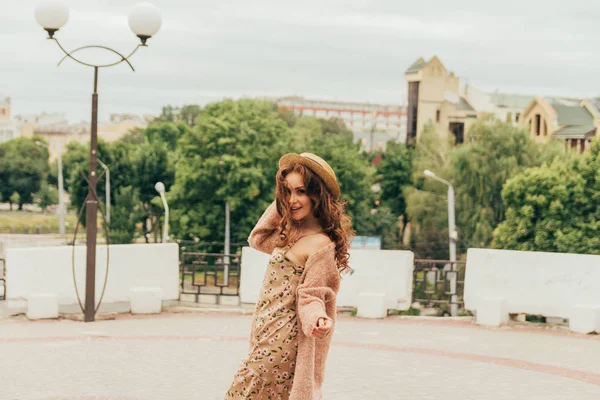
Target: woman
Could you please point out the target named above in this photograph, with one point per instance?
(307, 234)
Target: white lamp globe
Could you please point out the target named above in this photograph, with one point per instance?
(52, 15)
(160, 187)
(145, 20)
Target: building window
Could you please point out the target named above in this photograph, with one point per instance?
(517, 117)
(458, 130)
(545, 130)
(509, 118)
(413, 111)
(437, 116)
(538, 123)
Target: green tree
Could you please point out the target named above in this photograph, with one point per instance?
(14, 198)
(168, 114)
(166, 132)
(186, 114)
(480, 169)
(47, 196)
(229, 156)
(426, 199)
(124, 216)
(554, 207)
(189, 113)
(23, 168)
(395, 175)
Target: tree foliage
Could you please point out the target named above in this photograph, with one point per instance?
(554, 207)
(395, 175)
(229, 156)
(23, 168)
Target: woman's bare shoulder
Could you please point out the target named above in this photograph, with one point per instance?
(318, 243)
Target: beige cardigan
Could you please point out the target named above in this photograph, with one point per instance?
(316, 295)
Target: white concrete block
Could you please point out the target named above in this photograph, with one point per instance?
(229, 300)
(42, 305)
(492, 311)
(585, 318)
(146, 300)
(371, 305)
(16, 307)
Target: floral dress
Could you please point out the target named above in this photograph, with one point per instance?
(268, 371)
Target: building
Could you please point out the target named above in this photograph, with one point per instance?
(120, 125)
(505, 107)
(436, 95)
(373, 125)
(55, 130)
(9, 128)
(574, 121)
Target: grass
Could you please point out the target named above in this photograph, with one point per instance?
(33, 222)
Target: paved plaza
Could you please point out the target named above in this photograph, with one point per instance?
(194, 356)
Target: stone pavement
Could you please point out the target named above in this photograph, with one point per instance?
(194, 356)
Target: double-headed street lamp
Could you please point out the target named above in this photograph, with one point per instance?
(453, 237)
(145, 20)
(61, 211)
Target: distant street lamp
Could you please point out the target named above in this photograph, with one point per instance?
(160, 188)
(452, 238)
(145, 20)
(107, 189)
(61, 202)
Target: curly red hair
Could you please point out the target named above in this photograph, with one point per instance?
(328, 210)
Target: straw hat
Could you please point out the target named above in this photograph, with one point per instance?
(317, 165)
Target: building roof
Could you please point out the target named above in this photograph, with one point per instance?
(463, 105)
(576, 119)
(572, 114)
(574, 132)
(510, 100)
(416, 66)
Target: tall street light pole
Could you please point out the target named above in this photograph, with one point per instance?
(452, 239)
(145, 20)
(61, 211)
(107, 189)
(160, 188)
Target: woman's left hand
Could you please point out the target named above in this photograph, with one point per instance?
(323, 328)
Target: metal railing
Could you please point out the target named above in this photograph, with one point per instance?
(432, 282)
(209, 274)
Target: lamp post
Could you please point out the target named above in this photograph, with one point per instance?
(160, 188)
(452, 239)
(107, 189)
(61, 202)
(145, 20)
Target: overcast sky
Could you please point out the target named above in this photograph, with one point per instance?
(354, 50)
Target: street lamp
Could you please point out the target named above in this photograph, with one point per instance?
(160, 188)
(144, 20)
(107, 189)
(452, 238)
(61, 202)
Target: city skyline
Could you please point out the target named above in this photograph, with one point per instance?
(351, 51)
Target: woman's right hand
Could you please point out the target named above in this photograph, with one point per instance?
(324, 326)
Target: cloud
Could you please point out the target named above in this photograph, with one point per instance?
(353, 50)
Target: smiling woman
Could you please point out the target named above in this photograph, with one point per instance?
(306, 232)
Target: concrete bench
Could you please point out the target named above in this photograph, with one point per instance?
(42, 306)
(371, 305)
(145, 300)
(492, 311)
(585, 318)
